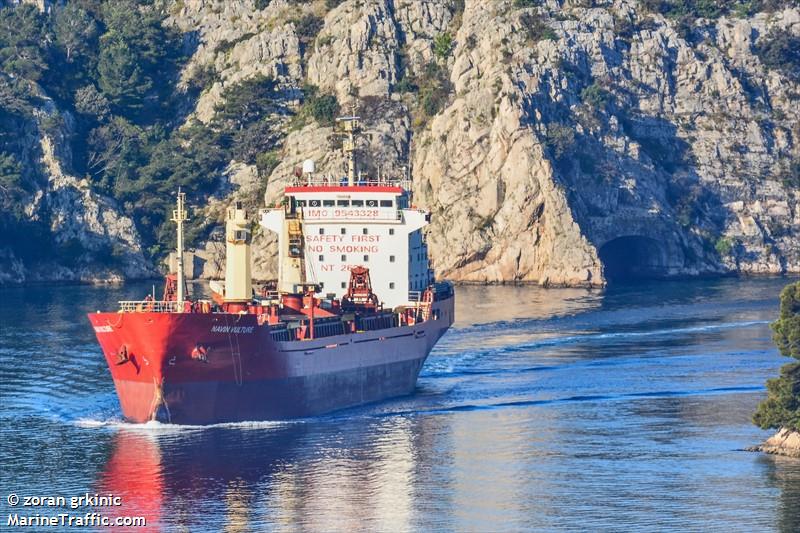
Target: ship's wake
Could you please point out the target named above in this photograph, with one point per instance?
(505, 372)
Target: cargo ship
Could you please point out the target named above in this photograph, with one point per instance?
(351, 319)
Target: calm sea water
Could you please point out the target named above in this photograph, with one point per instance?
(540, 410)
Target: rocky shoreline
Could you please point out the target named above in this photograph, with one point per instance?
(785, 442)
(117, 279)
(608, 141)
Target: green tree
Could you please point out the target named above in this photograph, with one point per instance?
(15, 97)
(782, 406)
(121, 77)
(434, 88)
(254, 139)
(266, 163)
(323, 107)
(526, 3)
(118, 149)
(75, 30)
(137, 58)
(595, 96)
(560, 138)
(22, 39)
(89, 101)
(245, 102)
(10, 177)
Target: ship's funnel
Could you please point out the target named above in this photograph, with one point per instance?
(238, 282)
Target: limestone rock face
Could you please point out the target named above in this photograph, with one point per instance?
(784, 442)
(681, 157)
(238, 41)
(78, 214)
(574, 144)
(81, 221)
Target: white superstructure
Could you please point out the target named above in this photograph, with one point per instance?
(370, 225)
(327, 226)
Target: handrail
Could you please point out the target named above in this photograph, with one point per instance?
(148, 306)
(330, 181)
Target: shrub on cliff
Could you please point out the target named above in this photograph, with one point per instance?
(780, 50)
(434, 88)
(536, 29)
(324, 108)
(782, 406)
(443, 45)
(560, 139)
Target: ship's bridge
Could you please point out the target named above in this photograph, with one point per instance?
(370, 224)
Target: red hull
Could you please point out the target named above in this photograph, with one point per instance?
(249, 376)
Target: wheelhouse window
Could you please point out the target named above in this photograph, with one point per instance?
(313, 203)
(342, 203)
(300, 203)
(328, 203)
(240, 236)
(357, 203)
(372, 203)
(386, 203)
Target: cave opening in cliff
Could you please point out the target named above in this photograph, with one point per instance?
(632, 258)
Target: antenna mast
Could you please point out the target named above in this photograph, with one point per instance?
(352, 127)
(179, 216)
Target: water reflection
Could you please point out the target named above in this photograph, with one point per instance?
(501, 303)
(783, 474)
(563, 409)
(318, 475)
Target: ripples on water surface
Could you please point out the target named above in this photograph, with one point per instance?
(559, 409)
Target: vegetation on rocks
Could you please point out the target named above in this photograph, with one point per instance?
(693, 140)
(779, 50)
(536, 29)
(114, 67)
(781, 409)
(711, 9)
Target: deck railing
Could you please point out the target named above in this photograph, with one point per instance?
(330, 181)
(149, 306)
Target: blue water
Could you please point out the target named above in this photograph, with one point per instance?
(625, 409)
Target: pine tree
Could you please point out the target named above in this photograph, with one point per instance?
(781, 409)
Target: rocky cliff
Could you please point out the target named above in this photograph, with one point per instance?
(557, 142)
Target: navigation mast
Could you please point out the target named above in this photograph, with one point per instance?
(179, 216)
(352, 127)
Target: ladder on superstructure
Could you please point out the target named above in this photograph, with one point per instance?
(426, 304)
(295, 234)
